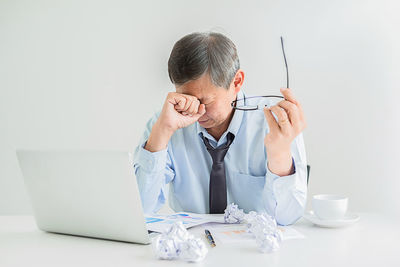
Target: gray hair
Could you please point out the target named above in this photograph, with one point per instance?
(197, 53)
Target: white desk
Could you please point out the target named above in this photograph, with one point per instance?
(373, 241)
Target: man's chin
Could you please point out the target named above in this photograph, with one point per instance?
(206, 124)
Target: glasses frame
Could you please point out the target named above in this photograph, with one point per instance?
(233, 104)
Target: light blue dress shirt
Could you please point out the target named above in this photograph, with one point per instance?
(186, 164)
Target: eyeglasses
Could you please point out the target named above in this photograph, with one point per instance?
(259, 102)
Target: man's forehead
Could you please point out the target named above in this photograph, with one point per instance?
(199, 88)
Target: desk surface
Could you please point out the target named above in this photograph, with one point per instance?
(373, 241)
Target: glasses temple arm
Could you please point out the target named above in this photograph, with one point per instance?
(284, 57)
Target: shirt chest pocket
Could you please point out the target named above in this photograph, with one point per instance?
(247, 191)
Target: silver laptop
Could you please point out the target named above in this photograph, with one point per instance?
(85, 193)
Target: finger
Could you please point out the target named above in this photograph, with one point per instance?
(283, 119)
(273, 125)
(189, 101)
(200, 112)
(293, 112)
(188, 105)
(288, 94)
(178, 101)
(193, 108)
(202, 109)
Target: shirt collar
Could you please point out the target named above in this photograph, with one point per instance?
(234, 125)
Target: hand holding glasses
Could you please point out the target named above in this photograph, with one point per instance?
(283, 129)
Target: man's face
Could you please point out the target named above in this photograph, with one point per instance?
(216, 99)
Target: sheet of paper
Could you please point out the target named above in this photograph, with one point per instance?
(290, 233)
(160, 222)
(233, 233)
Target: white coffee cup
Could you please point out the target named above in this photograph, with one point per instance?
(329, 207)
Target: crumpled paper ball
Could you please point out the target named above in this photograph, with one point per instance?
(267, 243)
(265, 230)
(177, 243)
(233, 214)
(262, 225)
(193, 250)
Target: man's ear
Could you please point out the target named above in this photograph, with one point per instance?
(238, 80)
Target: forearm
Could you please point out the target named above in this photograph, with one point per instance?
(151, 188)
(153, 171)
(285, 196)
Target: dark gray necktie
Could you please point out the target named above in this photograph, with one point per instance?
(217, 189)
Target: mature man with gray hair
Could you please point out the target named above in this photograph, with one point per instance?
(212, 153)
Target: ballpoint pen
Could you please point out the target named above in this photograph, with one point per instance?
(210, 238)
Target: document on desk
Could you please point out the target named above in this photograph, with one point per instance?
(160, 222)
(233, 233)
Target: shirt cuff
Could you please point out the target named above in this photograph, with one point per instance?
(152, 162)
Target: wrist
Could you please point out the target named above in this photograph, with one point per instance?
(159, 138)
(280, 163)
(161, 129)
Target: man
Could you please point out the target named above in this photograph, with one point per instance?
(213, 155)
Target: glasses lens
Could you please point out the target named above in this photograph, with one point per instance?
(254, 103)
(248, 107)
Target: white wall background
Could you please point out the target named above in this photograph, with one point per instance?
(88, 74)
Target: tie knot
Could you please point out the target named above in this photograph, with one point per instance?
(218, 153)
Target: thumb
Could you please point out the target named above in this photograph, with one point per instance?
(200, 112)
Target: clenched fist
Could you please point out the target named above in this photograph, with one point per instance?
(179, 111)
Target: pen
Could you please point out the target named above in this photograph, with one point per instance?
(210, 238)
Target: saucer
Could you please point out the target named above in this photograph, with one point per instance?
(348, 219)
